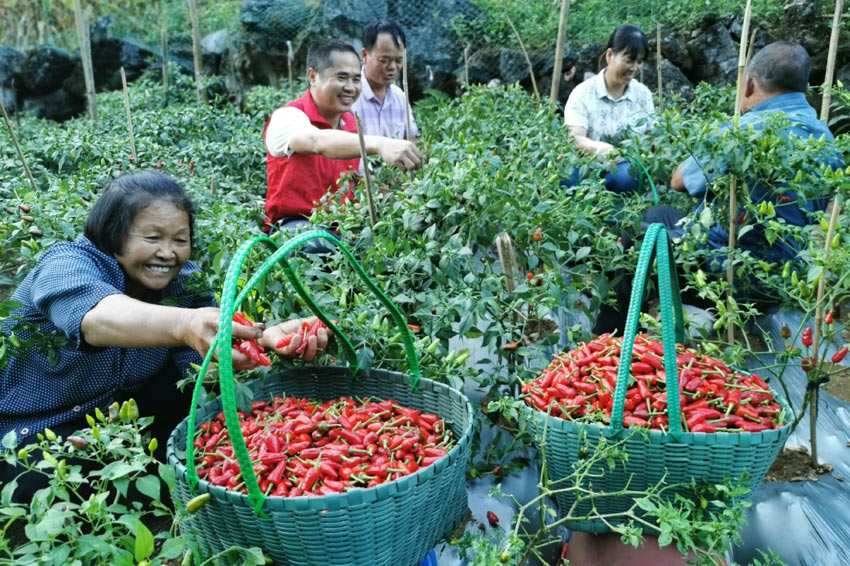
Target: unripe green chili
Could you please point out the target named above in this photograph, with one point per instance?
(197, 502)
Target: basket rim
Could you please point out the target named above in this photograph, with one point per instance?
(769, 435)
(355, 496)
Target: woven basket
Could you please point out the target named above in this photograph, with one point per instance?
(392, 524)
(675, 457)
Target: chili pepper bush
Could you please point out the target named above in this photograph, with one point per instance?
(733, 425)
(344, 462)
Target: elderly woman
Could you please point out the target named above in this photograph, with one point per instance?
(612, 104)
(119, 317)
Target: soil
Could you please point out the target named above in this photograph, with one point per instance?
(839, 383)
(795, 464)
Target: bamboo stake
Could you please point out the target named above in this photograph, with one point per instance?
(527, 59)
(85, 56)
(815, 391)
(234, 70)
(364, 160)
(17, 146)
(407, 133)
(658, 66)
(133, 155)
(830, 62)
(196, 51)
(290, 55)
(163, 36)
(733, 181)
(507, 259)
(466, 65)
(559, 51)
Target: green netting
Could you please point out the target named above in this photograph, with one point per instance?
(356, 527)
(675, 458)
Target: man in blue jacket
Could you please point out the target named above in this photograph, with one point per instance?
(775, 85)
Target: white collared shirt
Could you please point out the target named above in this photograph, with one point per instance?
(592, 108)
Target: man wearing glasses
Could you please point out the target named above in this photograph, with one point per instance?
(383, 106)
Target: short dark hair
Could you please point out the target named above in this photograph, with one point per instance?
(630, 40)
(319, 57)
(781, 67)
(108, 223)
(373, 30)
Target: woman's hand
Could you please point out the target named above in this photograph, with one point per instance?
(201, 327)
(316, 343)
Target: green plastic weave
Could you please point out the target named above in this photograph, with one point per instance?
(652, 456)
(434, 497)
(393, 524)
(230, 304)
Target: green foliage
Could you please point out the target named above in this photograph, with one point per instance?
(594, 20)
(483, 243)
(28, 23)
(106, 492)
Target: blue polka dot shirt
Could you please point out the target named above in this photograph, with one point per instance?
(39, 390)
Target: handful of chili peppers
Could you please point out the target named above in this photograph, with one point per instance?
(579, 385)
(300, 447)
(249, 347)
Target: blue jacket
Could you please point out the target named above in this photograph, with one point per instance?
(793, 208)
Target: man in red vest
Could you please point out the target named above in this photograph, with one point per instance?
(311, 141)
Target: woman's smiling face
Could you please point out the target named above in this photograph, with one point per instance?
(158, 245)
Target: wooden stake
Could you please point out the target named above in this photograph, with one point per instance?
(17, 146)
(290, 56)
(559, 51)
(239, 93)
(527, 59)
(133, 156)
(733, 181)
(466, 65)
(658, 66)
(364, 160)
(163, 36)
(507, 259)
(84, 42)
(407, 133)
(830, 62)
(813, 400)
(196, 51)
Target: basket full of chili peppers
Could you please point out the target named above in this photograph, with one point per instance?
(682, 418)
(323, 465)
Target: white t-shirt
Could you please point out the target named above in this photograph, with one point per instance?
(592, 108)
(284, 124)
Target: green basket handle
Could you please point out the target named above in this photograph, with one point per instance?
(655, 243)
(229, 305)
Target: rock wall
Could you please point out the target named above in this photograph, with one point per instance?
(48, 81)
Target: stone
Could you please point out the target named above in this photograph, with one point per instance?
(44, 69)
(714, 55)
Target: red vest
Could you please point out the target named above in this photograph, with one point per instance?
(295, 183)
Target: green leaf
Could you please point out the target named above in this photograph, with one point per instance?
(168, 475)
(119, 469)
(149, 485)
(646, 504)
(10, 440)
(244, 397)
(144, 542)
(582, 253)
(173, 548)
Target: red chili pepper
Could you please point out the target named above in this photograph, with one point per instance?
(806, 338)
(828, 317)
(492, 518)
(839, 355)
(284, 342)
(254, 351)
